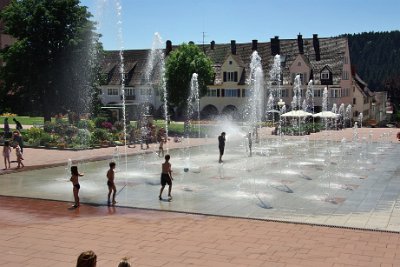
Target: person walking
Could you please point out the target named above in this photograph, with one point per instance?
(17, 138)
(166, 177)
(111, 184)
(221, 146)
(18, 125)
(6, 154)
(7, 133)
(75, 183)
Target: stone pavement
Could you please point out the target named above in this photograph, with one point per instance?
(41, 233)
(48, 233)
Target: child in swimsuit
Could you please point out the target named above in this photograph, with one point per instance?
(18, 152)
(111, 184)
(76, 186)
(6, 154)
(166, 177)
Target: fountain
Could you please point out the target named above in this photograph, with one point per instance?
(331, 182)
(156, 67)
(255, 105)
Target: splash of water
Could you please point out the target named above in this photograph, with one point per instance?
(155, 65)
(193, 102)
(310, 96)
(256, 89)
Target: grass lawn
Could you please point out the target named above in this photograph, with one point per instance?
(24, 120)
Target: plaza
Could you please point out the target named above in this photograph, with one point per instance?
(197, 228)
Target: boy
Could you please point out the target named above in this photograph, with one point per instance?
(166, 177)
(111, 184)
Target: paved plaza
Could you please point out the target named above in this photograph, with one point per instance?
(39, 231)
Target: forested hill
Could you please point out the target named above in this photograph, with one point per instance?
(376, 58)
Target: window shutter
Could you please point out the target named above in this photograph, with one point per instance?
(224, 76)
(235, 76)
(238, 92)
(222, 92)
(218, 92)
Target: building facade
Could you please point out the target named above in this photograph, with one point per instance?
(325, 61)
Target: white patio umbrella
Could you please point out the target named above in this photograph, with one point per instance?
(326, 115)
(296, 114)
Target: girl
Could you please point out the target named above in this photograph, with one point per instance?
(6, 154)
(18, 152)
(75, 183)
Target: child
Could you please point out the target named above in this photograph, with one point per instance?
(166, 177)
(6, 154)
(111, 184)
(161, 147)
(76, 186)
(18, 152)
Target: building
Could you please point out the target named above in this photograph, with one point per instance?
(326, 61)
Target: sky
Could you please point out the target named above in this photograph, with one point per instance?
(132, 24)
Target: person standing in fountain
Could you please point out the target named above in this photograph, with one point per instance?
(221, 146)
(166, 177)
(111, 184)
(250, 143)
(76, 186)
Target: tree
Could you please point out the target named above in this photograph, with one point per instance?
(180, 66)
(53, 64)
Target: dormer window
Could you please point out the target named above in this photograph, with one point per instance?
(325, 75)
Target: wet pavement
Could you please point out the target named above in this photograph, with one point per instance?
(49, 233)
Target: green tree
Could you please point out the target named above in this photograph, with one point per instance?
(53, 65)
(180, 65)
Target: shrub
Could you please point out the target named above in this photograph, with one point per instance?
(82, 139)
(98, 121)
(100, 135)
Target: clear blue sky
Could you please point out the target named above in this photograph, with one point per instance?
(241, 20)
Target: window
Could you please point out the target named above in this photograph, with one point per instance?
(112, 91)
(345, 75)
(317, 93)
(231, 76)
(231, 93)
(299, 63)
(335, 93)
(345, 92)
(303, 77)
(129, 91)
(285, 93)
(212, 92)
(354, 101)
(325, 75)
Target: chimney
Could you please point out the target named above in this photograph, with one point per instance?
(300, 43)
(316, 47)
(212, 45)
(275, 46)
(168, 47)
(233, 47)
(254, 45)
